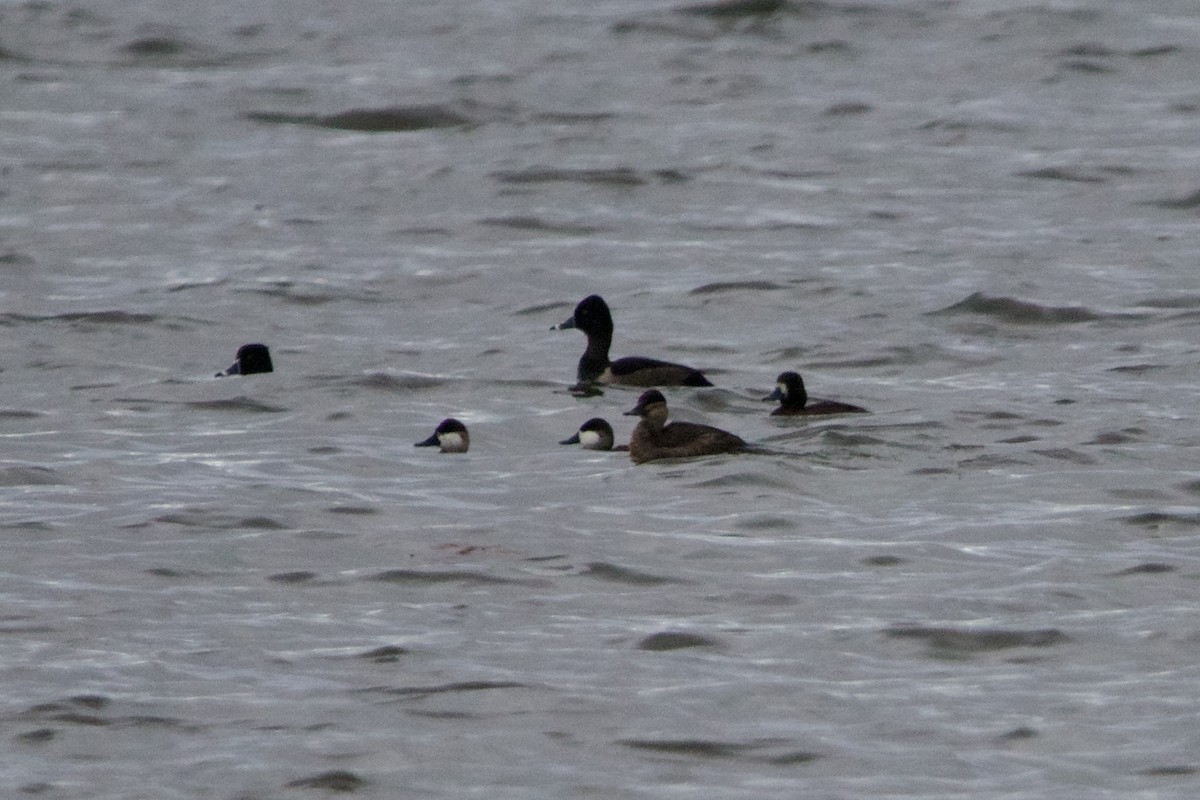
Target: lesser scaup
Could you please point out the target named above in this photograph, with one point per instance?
(793, 399)
(450, 435)
(250, 359)
(595, 320)
(653, 439)
(595, 434)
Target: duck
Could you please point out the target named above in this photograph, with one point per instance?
(595, 320)
(250, 359)
(450, 436)
(653, 439)
(595, 434)
(793, 399)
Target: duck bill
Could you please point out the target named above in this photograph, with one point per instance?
(573, 440)
(566, 324)
(775, 395)
(234, 369)
(432, 441)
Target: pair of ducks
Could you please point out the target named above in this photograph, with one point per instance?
(653, 438)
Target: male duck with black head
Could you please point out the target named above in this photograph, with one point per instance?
(595, 320)
(653, 439)
(595, 434)
(793, 399)
(450, 436)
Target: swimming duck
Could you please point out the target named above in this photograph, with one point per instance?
(251, 358)
(450, 436)
(793, 399)
(595, 434)
(653, 439)
(595, 320)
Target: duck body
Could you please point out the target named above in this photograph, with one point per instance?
(593, 317)
(654, 439)
(793, 399)
(450, 436)
(250, 359)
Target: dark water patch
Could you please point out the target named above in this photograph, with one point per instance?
(1017, 312)
(1153, 51)
(743, 225)
(1087, 50)
(1018, 440)
(992, 461)
(338, 780)
(1191, 487)
(620, 176)
(175, 574)
(701, 748)
(1123, 436)
(200, 518)
(391, 119)
(29, 476)
(932, 471)
(17, 413)
(1185, 203)
(24, 629)
(420, 577)
(1180, 301)
(158, 47)
(604, 571)
(736, 286)
(1066, 454)
(848, 108)
(1140, 495)
(740, 479)
(1019, 734)
(674, 640)
(354, 511)
(388, 654)
(1137, 369)
(458, 687)
(407, 382)
(573, 117)
(1148, 568)
(295, 577)
(541, 308)
(766, 522)
(36, 736)
(238, 404)
(1158, 519)
(776, 752)
(950, 642)
(87, 319)
(735, 9)
(1087, 67)
(883, 561)
(1169, 771)
(526, 222)
(1070, 174)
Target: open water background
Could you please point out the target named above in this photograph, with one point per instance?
(978, 219)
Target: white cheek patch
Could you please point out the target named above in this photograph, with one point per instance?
(589, 438)
(782, 387)
(450, 441)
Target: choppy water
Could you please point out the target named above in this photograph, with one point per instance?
(977, 219)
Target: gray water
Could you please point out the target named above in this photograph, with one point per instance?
(976, 219)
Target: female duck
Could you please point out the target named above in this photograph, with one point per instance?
(595, 320)
(653, 439)
(793, 399)
(450, 436)
(595, 434)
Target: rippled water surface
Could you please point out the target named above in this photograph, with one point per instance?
(976, 219)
